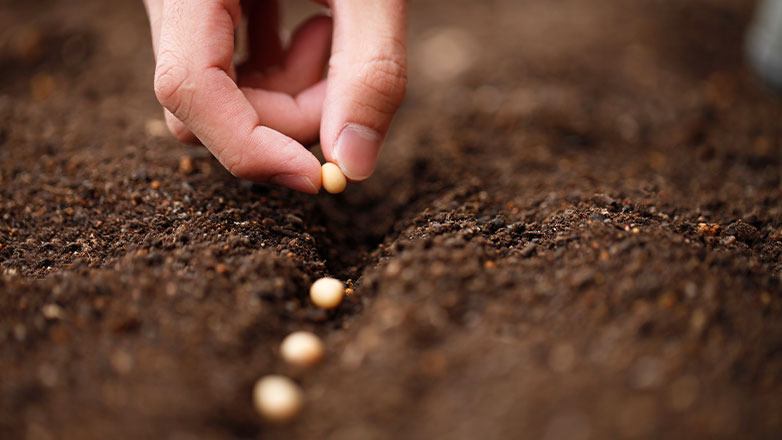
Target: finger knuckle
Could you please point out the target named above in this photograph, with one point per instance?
(385, 77)
(173, 85)
(234, 161)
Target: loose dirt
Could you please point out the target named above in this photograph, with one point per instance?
(574, 232)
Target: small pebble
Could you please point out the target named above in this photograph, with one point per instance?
(52, 311)
(186, 165)
(327, 293)
(333, 179)
(156, 128)
(277, 398)
(302, 349)
(709, 229)
(222, 268)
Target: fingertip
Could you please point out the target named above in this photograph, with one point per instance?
(356, 151)
(307, 178)
(269, 156)
(295, 182)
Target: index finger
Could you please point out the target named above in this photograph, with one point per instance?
(192, 81)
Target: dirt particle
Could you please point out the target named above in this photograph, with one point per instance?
(698, 321)
(394, 268)
(41, 86)
(746, 232)
(186, 165)
(154, 184)
(52, 311)
(125, 324)
(528, 249)
(156, 128)
(27, 43)
(121, 361)
(682, 393)
(729, 240)
(48, 375)
(646, 373)
(666, 301)
(432, 363)
(59, 335)
(708, 229)
(222, 268)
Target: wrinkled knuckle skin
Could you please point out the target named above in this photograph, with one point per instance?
(386, 78)
(235, 163)
(172, 85)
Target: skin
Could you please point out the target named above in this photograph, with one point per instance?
(256, 117)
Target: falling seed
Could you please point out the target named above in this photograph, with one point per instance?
(277, 398)
(327, 293)
(333, 179)
(302, 349)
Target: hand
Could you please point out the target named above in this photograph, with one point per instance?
(255, 117)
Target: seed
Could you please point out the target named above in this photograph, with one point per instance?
(332, 177)
(327, 293)
(302, 349)
(277, 398)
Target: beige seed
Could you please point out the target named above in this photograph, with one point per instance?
(327, 293)
(332, 177)
(302, 349)
(277, 398)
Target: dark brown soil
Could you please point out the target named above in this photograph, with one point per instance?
(577, 237)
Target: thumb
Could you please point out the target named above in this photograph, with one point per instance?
(367, 81)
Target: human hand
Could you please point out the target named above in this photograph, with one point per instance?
(254, 117)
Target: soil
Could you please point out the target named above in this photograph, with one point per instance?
(574, 231)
